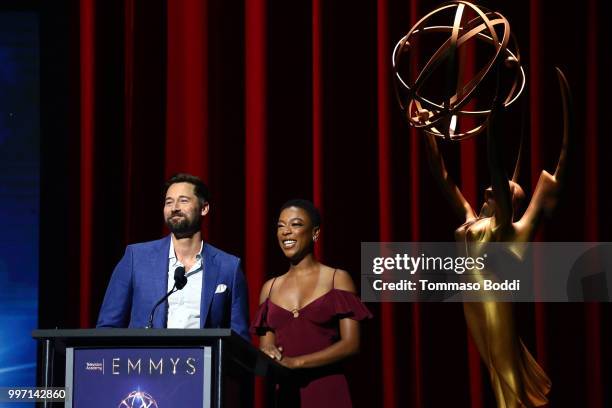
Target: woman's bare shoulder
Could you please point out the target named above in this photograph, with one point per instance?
(340, 278)
(265, 289)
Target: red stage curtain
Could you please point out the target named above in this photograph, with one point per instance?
(271, 100)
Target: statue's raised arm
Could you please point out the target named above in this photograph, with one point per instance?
(436, 163)
(502, 197)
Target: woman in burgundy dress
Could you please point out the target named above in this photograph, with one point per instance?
(308, 318)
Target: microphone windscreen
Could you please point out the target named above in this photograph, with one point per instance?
(180, 279)
(179, 272)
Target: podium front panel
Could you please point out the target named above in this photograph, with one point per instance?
(154, 377)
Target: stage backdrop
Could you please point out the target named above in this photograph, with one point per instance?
(270, 100)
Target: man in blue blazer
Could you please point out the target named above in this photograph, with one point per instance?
(215, 294)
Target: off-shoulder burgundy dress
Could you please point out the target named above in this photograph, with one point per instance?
(307, 330)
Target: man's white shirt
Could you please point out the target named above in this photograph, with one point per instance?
(184, 305)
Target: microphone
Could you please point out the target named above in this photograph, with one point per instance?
(180, 280)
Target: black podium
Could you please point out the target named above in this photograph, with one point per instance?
(229, 361)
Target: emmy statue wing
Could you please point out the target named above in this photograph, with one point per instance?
(568, 127)
(548, 188)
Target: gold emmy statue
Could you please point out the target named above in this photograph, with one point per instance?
(445, 101)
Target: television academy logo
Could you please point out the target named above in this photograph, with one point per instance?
(96, 366)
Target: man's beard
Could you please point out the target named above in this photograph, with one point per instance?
(186, 227)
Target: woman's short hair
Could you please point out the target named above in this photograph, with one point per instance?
(308, 206)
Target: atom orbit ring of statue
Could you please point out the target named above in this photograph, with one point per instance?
(438, 113)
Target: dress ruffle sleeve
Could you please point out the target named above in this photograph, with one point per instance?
(260, 325)
(347, 304)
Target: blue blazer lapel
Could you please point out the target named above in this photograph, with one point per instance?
(211, 273)
(160, 281)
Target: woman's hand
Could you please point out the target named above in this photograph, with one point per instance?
(291, 362)
(272, 351)
(276, 353)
